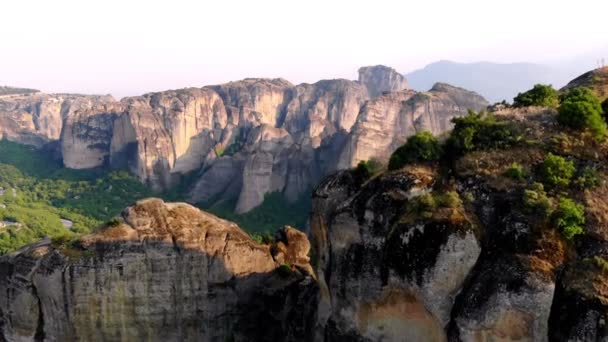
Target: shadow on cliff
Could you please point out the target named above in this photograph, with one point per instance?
(151, 290)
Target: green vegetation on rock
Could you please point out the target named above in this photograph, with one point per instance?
(580, 109)
(480, 131)
(37, 193)
(541, 95)
(557, 171)
(367, 168)
(536, 200)
(422, 146)
(570, 218)
(515, 171)
(273, 213)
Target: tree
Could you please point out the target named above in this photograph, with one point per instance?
(580, 109)
(557, 171)
(570, 218)
(541, 95)
(478, 131)
(420, 147)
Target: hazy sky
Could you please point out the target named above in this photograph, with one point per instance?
(130, 47)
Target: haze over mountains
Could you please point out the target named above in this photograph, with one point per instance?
(502, 81)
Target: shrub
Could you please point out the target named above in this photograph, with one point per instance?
(365, 169)
(450, 199)
(515, 171)
(541, 95)
(570, 218)
(285, 270)
(557, 171)
(589, 178)
(115, 221)
(600, 262)
(422, 146)
(605, 108)
(580, 109)
(478, 131)
(536, 200)
(425, 204)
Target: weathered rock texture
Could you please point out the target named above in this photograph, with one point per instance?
(168, 272)
(240, 140)
(596, 80)
(384, 275)
(386, 122)
(380, 79)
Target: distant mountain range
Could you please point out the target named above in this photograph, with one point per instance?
(494, 81)
(497, 82)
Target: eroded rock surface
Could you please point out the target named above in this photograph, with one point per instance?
(166, 272)
(237, 141)
(380, 79)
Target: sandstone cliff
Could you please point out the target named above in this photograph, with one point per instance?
(380, 79)
(465, 253)
(237, 141)
(386, 122)
(165, 272)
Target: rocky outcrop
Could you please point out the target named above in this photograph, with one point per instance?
(87, 130)
(596, 80)
(164, 272)
(237, 141)
(37, 119)
(383, 274)
(380, 79)
(387, 121)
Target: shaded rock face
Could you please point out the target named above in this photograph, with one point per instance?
(241, 140)
(168, 272)
(36, 119)
(387, 121)
(383, 276)
(380, 79)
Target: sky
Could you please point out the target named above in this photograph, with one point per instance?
(130, 47)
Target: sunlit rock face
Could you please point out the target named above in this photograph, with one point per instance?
(240, 140)
(386, 122)
(380, 79)
(166, 272)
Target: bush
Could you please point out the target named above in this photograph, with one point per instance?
(570, 218)
(478, 131)
(450, 199)
(580, 109)
(605, 108)
(422, 146)
(515, 171)
(540, 95)
(365, 169)
(589, 178)
(536, 200)
(425, 204)
(557, 171)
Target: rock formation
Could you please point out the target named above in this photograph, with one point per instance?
(596, 80)
(240, 140)
(387, 121)
(380, 79)
(165, 272)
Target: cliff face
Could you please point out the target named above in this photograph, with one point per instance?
(454, 251)
(167, 272)
(387, 121)
(379, 79)
(240, 140)
(384, 275)
(468, 254)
